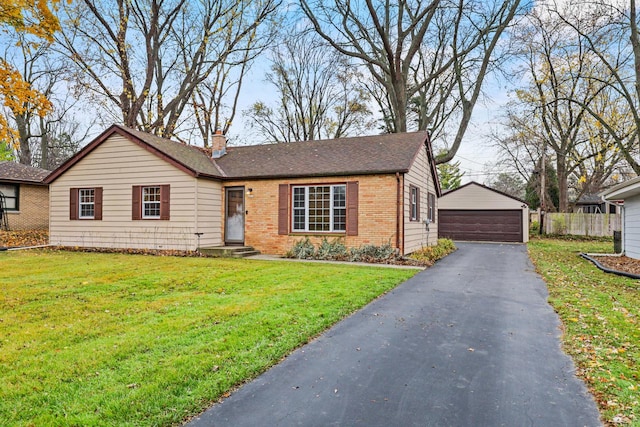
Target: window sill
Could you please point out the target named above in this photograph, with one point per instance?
(318, 233)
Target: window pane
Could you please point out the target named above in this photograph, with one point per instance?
(414, 203)
(86, 202)
(320, 208)
(9, 190)
(10, 193)
(151, 202)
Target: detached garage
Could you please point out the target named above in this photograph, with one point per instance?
(475, 212)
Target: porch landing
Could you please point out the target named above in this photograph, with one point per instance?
(229, 251)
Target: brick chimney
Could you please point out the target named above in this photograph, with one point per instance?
(218, 145)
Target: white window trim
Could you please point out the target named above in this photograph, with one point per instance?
(145, 203)
(306, 209)
(81, 203)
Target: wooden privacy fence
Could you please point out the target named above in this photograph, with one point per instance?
(583, 224)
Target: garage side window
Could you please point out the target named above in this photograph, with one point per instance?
(431, 207)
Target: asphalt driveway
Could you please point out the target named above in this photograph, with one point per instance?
(468, 342)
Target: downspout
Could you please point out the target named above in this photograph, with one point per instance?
(196, 215)
(623, 234)
(399, 214)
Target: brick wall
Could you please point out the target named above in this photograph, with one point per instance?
(376, 213)
(34, 209)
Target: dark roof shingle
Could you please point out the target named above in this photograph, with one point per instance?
(346, 156)
(19, 173)
(190, 156)
(389, 153)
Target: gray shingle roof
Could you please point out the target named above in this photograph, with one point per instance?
(19, 173)
(190, 156)
(346, 156)
(377, 154)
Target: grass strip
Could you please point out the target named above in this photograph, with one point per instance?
(600, 314)
(116, 339)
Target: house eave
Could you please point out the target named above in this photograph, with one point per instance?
(23, 182)
(312, 175)
(623, 191)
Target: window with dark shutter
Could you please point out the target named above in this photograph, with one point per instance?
(136, 208)
(165, 202)
(85, 203)
(98, 204)
(431, 207)
(352, 208)
(151, 202)
(283, 209)
(73, 204)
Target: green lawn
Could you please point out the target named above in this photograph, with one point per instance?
(600, 313)
(114, 339)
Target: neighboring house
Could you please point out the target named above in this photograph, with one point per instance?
(629, 193)
(475, 212)
(26, 196)
(593, 203)
(130, 189)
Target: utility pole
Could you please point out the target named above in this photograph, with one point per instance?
(543, 184)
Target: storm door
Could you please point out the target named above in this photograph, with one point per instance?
(234, 217)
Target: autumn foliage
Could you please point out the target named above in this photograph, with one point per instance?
(26, 238)
(31, 17)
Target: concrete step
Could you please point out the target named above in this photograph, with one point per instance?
(244, 254)
(229, 251)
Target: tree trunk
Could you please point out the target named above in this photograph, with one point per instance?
(23, 135)
(563, 188)
(44, 144)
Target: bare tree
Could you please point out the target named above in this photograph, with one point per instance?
(435, 53)
(148, 57)
(554, 112)
(319, 95)
(611, 34)
(36, 134)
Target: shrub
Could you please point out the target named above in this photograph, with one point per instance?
(534, 228)
(334, 250)
(302, 249)
(430, 254)
(372, 253)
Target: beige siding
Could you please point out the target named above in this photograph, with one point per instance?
(209, 206)
(416, 234)
(116, 165)
(474, 196)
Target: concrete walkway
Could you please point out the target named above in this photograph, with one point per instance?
(468, 342)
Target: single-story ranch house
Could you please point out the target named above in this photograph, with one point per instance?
(26, 196)
(131, 189)
(629, 192)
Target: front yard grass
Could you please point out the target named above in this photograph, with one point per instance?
(117, 339)
(600, 314)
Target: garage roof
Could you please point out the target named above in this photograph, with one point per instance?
(486, 188)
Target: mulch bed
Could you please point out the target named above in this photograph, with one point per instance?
(623, 263)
